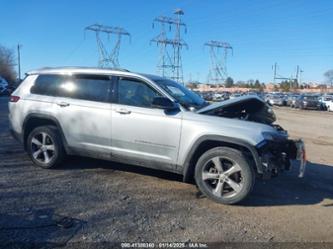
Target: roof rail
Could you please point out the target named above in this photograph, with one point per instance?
(117, 69)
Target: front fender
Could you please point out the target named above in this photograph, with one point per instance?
(188, 166)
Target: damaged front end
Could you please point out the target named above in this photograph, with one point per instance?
(276, 156)
(247, 108)
(276, 151)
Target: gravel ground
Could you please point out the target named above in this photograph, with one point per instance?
(116, 202)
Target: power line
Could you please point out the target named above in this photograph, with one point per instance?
(107, 59)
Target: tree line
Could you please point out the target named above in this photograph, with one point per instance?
(7, 64)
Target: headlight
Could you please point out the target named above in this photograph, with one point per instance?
(272, 136)
(268, 136)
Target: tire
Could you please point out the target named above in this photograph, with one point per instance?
(218, 186)
(44, 147)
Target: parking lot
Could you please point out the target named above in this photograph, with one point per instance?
(107, 201)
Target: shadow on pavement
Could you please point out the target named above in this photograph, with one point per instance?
(286, 189)
(77, 163)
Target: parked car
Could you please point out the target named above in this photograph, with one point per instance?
(235, 95)
(153, 122)
(307, 102)
(291, 100)
(326, 102)
(4, 90)
(330, 106)
(208, 96)
(277, 99)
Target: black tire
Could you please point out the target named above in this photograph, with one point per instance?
(244, 178)
(55, 156)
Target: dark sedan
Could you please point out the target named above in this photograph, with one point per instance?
(307, 102)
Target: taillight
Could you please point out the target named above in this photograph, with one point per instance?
(14, 98)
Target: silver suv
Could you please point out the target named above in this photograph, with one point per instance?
(152, 122)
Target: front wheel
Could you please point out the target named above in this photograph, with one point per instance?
(224, 175)
(44, 147)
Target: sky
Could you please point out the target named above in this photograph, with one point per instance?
(261, 32)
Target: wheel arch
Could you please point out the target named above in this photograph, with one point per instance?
(207, 142)
(34, 120)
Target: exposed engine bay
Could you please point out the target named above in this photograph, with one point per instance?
(249, 108)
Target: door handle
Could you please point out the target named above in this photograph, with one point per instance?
(63, 104)
(123, 111)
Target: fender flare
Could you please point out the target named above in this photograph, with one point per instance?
(45, 117)
(217, 138)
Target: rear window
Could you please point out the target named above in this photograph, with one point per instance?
(47, 85)
(85, 87)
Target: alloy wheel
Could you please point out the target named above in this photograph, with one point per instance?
(223, 177)
(42, 147)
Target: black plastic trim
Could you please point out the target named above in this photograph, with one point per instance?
(45, 117)
(186, 167)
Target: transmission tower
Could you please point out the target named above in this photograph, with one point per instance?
(291, 79)
(218, 55)
(170, 61)
(108, 58)
(165, 65)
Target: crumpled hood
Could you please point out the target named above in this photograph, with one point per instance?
(249, 108)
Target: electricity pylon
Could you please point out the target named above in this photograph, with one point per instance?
(291, 79)
(106, 58)
(218, 70)
(170, 60)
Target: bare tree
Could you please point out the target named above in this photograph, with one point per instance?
(329, 76)
(7, 64)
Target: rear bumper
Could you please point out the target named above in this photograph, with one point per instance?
(17, 136)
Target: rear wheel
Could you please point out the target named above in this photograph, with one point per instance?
(224, 175)
(44, 147)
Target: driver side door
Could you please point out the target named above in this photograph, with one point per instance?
(141, 134)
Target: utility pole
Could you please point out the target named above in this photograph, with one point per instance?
(19, 46)
(297, 73)
(170, 61)
(218, 70)
(300, 77)
(274, 77)
(107, 59)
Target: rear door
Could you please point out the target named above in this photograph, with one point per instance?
(84, 112)
(141, 134)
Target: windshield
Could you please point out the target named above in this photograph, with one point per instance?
(184, 96)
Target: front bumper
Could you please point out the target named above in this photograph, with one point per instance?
(276, 157)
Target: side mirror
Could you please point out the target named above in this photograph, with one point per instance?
(164, 103)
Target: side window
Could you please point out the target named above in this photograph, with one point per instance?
(86, 87)
(135, 93)
(47, 84)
